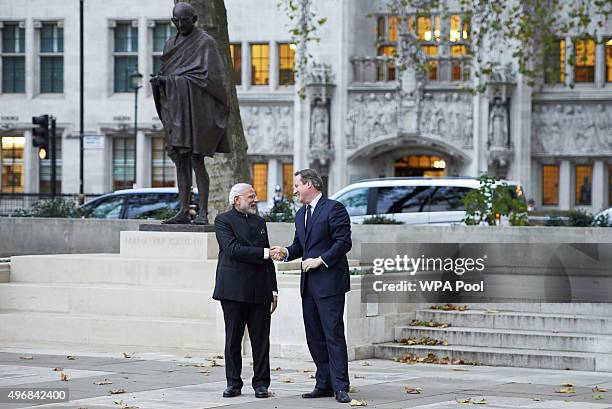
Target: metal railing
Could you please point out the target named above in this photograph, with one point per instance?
(15, 203)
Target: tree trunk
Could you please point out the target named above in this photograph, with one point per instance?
(225, 169)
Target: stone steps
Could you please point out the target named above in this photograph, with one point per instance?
(520, 320)
(107, 330)
(527, 358)
(519, 339)
(70, 298)
(543, 338)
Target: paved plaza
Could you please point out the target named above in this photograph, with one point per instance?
(193, 379)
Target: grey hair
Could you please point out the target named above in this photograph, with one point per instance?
(312, 176)
(237, 190)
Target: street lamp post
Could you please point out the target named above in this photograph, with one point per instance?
(136, 81)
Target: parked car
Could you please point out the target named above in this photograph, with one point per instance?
(412, 200)
(146, 203)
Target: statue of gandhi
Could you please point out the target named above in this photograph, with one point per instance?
(191, 101)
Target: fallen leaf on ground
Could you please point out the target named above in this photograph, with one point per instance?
(482, 401)
(598, 389)
(271, 394)
(491, 311)
(566, 390)
(217, 357)
(205, 372)
(412, 391)
(127, 355)
(355, 402)
(568, 385)
(598, 397)
(430, 323)
(116, 391)
(103, 382)
(460, 369)
(431, 358)
(357, 376)
(123, 405)
(27, 357)
(188, 356)
(353, 389)
(64, 377)
(468, 400)
(365, 363)
(286, 379)
(312, 376)
(536, 399)
(278, 368)
(423, 341)
(449, 307)
(71, 358)
(58, 369)
(306, 370)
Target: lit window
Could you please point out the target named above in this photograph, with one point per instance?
(124, 158)
(161, 33)
(584, 52)
(432, 52)
(260, 180)
(236, 56)
(550, 185)
(162, 168)
(13, 177)
(288, 180)
(388, 66)
(125, 55)
(286, 64)
(609, 60)
(13, 59)
(584, 174)
(555, 64)
(260, 64)
(392, 31)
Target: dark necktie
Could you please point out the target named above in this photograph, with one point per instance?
(309, 213)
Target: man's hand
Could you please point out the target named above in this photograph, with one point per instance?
(274, 304)
(311, 263)
(157, 80)
(277, 253)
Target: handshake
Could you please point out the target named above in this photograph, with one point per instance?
(280, 253)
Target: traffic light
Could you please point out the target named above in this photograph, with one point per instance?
(40, 135)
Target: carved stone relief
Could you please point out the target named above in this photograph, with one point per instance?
(369, 116)
(268, 128)
(448, 116)
(571, 128)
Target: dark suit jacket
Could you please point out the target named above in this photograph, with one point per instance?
(242, 273)
(328, 236)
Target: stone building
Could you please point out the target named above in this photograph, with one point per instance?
(365, 111)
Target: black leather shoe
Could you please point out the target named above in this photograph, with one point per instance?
(261, 392)
(231, 392)
(343, 397)
(318, 393)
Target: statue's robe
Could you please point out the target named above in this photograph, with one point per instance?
(192, 102)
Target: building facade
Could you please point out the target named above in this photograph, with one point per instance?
(361, 109)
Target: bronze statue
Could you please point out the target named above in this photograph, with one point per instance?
(191, 101)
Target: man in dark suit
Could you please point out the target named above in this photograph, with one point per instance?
(322, 239)
(245, 284)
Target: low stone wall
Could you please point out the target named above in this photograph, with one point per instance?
(21, 236)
